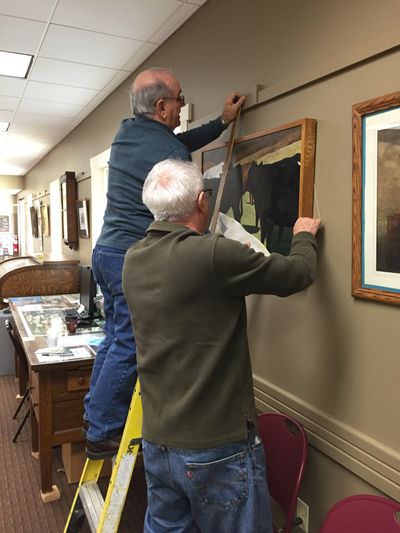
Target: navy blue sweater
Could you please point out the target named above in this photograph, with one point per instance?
(139, 144)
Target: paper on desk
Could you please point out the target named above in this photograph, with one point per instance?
(232, 229)
(85, 338)
(47, 355)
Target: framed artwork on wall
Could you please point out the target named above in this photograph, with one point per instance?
(4, 223)
(270, 181)
(376, 199)
(34, 222)
(44, 219)
(82, 210)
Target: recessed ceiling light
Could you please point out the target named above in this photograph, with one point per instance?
(13, 64)
(4, 126)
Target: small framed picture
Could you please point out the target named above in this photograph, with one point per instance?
(82, 210)
(376, 205)
(34, 222)
(44, 219)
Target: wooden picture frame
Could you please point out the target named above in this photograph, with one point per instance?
(376, 199)
(270, 181)
(34, 222)
(4, 223)
(82, 212)
(44, 220)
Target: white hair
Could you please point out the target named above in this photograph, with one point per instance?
(171, 189)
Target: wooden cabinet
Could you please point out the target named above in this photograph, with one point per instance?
(26, 276)
(68, 189)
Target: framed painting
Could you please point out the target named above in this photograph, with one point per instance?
(269, 183)
(376, 199)
(82, 210)
(4, 223)
(44, 220)
(34, 221)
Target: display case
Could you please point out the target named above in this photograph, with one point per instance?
(68, 189)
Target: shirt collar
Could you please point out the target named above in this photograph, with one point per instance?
(169, 227)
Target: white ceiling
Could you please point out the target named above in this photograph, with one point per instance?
(83, 49)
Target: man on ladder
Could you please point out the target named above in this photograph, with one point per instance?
(186, 291)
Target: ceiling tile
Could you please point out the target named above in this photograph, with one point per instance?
(22, 147)
(41, 120)
(12, 170)
(40, 132)
(6, 115)
(8, 103)
(19, 35)
(141, 55)
(73, 74)
(34, 9)
(11, 86)
(59, 93)
(128, 18)
(87, 47)
(173, 23)
(115, 82)
(43, 107)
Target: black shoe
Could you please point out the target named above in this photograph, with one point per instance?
(103, 448)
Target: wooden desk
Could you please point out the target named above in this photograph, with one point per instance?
(57, 392)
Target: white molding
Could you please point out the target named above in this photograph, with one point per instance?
(98, 184)
(363, 455)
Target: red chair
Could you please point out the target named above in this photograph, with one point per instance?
(363, 513)
(286, 448)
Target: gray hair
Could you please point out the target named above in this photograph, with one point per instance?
(144, 97)
(171, 189)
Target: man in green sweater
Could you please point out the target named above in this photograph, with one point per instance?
(185, 289)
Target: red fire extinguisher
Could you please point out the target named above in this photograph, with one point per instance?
(15, 245)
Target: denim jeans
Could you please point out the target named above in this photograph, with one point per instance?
(217, 490)
(114, 370)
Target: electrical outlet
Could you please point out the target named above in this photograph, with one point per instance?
(302, 512)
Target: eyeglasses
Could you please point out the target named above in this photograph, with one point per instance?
(207, 192)
(180, 99)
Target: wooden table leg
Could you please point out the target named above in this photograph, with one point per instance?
(48, 491)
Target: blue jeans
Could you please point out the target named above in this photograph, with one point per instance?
(114, 370)
(217, 490)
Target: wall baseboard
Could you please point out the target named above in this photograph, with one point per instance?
(366, 457)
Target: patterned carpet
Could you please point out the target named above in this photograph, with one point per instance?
(21, 507)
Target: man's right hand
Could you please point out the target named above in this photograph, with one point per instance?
(312, 225)
(232, 104)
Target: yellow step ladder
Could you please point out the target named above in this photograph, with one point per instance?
(104, 515)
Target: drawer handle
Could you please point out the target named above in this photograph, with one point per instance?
(81, 381)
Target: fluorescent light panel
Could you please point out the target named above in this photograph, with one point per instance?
(4, 126)
(13, 64)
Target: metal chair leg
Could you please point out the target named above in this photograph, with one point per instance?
(21, 425)
(24, 397)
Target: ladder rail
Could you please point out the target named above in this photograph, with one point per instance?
(104, 515)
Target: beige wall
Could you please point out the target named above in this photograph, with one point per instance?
(330, 360)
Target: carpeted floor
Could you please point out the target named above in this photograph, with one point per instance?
(21, 507)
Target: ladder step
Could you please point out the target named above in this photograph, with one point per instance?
(93, 503)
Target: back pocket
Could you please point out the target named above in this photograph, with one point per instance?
(221, 484)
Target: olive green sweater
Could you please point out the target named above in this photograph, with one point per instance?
(186, 293)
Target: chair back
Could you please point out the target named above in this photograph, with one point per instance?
(286, 448)
(364, 513)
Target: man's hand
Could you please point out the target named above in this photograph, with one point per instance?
(232, 105)
(312, 225)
